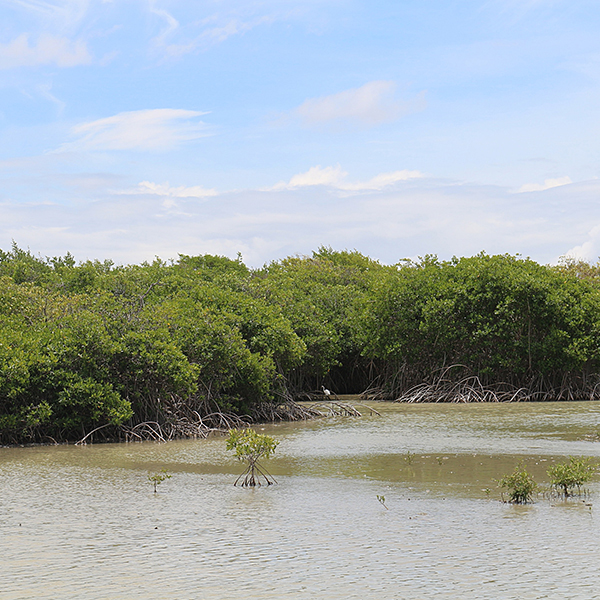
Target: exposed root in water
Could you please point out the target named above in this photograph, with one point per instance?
(251, 476)
(201, 427)
(581, 495)
(459, 383)
(341, 409)
(472, 389)
(193, 425)
(82, 441)
(469, 389)
(288, 410)
(184, 421)
(376, 393)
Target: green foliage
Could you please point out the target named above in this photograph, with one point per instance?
(157, 478)
(381, 500)
(567, 476)
(520, 484)
(23, 267)
(250, 446)
(93, 345)
(319, 296)
(213, 267)
(503, 317)
(247, 444)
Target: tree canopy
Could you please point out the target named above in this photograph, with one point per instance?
(94, 344)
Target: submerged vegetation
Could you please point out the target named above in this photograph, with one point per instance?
(160, 350)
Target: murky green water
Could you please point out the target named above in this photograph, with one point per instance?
(83, 523)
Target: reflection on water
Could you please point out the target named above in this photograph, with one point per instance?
(82, 522)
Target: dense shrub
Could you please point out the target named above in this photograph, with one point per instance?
(93, 344)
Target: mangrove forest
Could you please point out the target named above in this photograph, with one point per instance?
(174, 348)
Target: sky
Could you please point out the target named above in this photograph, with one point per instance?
(131, 129)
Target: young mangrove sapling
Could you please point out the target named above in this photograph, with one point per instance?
(520, 484)
(157, 478)
(565, 477)
(249, 447)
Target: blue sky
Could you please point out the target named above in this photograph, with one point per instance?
(138, 128)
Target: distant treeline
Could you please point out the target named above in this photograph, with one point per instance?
(92, 344)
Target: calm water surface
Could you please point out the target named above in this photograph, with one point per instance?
(82, 522)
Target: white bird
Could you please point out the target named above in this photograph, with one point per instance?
(325, 391)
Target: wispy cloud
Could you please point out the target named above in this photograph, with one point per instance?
(176, 41)
(63, 12)
(153, 129)
(335, 177)
(171, 24)
(49, 50)
(548, 183)
(164, 189)
(370, 104)
(46, 92)
(169, 193)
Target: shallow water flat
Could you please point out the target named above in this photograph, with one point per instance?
(82, 522)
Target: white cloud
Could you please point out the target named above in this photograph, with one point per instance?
(67, 12)
(49, 50)
(171, 21)
(318, 176)
(389, 224)
(588, 250)
(548, 183)
(46, 92)
(445, 218)
(153, 129)
(176, 41)
(370, 104)
(215, 35)
(164, 189)
(335, 177)
(383, 180)
(99, 215)
(170, 193)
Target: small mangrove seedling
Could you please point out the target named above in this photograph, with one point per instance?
(520, 484)
(249, 447)
(157, 478)
(565, 477)
(382, 501)
(409, 458)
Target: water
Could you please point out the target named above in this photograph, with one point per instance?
(83, 522)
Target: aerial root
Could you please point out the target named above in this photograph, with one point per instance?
(251, 476)
(471, 389)
(288, 410)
